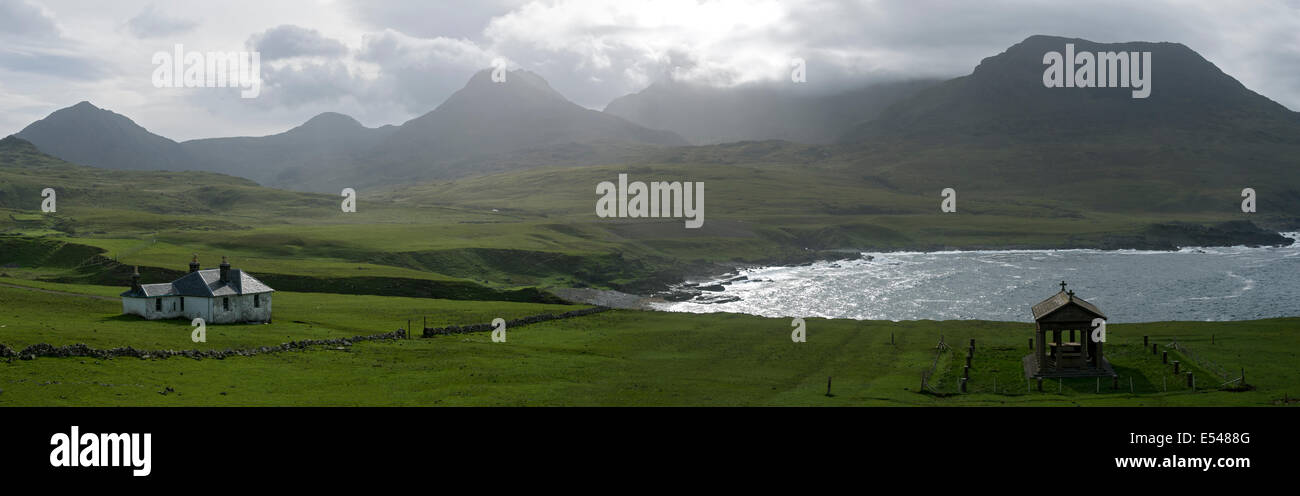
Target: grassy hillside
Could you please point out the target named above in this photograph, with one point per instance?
(538, 228)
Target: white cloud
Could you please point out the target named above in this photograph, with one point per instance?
(22, 19)
(152, 23)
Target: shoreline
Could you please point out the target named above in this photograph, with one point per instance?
(704, 283)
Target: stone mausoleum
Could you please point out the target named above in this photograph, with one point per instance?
(1062, 344)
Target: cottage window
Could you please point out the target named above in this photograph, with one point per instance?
(157, 304)
(257, 301)
(182, 303)
(225, 304)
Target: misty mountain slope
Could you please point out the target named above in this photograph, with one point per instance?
(490, 127)
(1191, 146)
(1004, 97)
(480, 126)
(709, 115)
(88, 135)
(326, 140)
(486, 118)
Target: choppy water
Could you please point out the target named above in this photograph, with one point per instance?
(1232, 283)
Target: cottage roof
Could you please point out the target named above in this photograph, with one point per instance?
(1061, 300)
(204, 283)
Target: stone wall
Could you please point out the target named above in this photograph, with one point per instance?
(510, 324)
(81, 350)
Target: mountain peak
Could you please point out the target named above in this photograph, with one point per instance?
(331, 120)
(88, 135)
(1004, 96)
(517, 81)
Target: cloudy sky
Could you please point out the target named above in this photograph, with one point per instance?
(384, 62)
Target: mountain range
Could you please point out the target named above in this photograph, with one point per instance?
(996, 129)
(331, 150)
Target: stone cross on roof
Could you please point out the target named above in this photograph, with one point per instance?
(1062, 285)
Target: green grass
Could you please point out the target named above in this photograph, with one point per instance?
(486, 237)
(613, 358)
(28, 317)
(537, 227)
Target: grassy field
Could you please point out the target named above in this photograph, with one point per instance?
(613, 358)
(29, 317)
(483, 247)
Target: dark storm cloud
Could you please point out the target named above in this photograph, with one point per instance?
(288, 41)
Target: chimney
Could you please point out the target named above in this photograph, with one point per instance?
(225, 269)
(194, 263)
(135, 281)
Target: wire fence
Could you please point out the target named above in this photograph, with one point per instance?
(1209, 365)
(934, 366)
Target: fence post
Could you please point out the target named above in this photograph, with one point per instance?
(1146, 341)
(1164, 358)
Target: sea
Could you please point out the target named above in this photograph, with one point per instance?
(1190, 284)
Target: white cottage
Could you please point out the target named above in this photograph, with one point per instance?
(221, 296)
